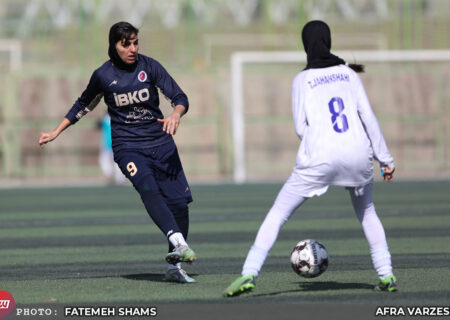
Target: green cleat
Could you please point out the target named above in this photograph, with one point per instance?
(241, 285)
(178, 275)
(181, 254)
(387, 284)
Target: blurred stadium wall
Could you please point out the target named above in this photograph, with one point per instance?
(49, 48)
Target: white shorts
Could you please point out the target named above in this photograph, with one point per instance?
(307, 188)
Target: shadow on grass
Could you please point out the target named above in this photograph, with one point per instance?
(332, 285)
(321, 286)
(154, 277)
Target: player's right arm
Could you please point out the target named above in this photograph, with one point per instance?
(88, 100)
(46, 137)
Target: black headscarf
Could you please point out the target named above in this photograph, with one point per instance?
(119, 31)
(316, 39)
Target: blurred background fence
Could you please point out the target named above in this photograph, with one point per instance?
(49, 48)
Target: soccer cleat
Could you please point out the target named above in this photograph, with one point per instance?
(181, 254)
(178, 275)
(387, 284)
(241, 285)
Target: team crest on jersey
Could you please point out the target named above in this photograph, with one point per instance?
(142, 76)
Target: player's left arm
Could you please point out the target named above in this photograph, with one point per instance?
(170, 89)
(373, 130)
(387, 173)
(172, 121)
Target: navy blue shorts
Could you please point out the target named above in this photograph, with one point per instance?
(156, 169)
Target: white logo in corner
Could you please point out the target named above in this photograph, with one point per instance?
(4, 304)
(169, 233)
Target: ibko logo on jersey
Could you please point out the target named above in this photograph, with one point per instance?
(125, 99)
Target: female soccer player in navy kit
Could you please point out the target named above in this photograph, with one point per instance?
(142, 137)
(340, 138)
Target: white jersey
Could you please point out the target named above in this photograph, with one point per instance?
(339, 131)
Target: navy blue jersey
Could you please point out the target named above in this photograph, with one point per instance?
(133, 102)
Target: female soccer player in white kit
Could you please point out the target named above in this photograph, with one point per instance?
(340, 137)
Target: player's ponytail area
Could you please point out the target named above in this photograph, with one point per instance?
(97, 246)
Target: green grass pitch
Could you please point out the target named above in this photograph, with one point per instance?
(97, 245)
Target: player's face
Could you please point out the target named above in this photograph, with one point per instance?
(127, 49)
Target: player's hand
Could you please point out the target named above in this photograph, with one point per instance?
(388, 173)
(46, 137)
(170, 123)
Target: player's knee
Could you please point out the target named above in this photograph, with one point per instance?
(369, 209)
(180, 209)
(147, 186)
(278, 217)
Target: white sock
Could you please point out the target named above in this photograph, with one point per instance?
(381, 260)
(379, 251)
(374, 231)
(254, 261)
(177, 239)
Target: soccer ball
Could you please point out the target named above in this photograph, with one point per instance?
(309, 258)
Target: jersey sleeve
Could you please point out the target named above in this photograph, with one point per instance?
(298, 108)
(169, 88)
(371, 126)
(88, 100)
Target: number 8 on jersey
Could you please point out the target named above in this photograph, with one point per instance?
(338, 115)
